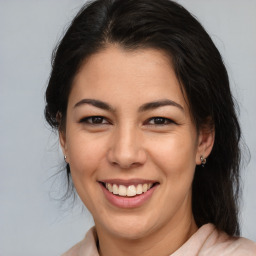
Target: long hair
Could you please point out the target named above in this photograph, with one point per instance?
(167, 26)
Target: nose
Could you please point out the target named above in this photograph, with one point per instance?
(126, 150)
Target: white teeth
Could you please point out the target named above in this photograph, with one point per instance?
(144, 188)
(109, 187)
(129, 191)
(139, 189)
(122, 190)
(115, 189)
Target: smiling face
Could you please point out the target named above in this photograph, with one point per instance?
(128, 128)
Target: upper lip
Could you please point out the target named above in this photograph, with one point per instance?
(128, 181)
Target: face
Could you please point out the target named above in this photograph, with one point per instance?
(128, 128)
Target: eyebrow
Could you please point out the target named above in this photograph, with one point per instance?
(145, 107)
(160, 103)
(96, 103)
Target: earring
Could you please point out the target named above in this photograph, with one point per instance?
(203, 161)
(65, 158)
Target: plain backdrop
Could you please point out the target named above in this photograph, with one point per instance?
(32, 222)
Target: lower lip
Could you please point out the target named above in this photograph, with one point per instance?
(128, 202)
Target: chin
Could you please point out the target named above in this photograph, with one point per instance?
(134, 227)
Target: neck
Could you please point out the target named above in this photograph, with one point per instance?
(162, 242)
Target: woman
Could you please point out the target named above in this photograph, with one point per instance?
(141, 99)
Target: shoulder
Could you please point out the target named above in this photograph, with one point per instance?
(208, 241)
(86, 247)
(219, 243)
(231, 246)
(74, 251)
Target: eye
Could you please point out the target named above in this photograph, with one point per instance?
(94, 120)
(159, 121)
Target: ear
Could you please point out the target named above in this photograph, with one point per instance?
(205, 142)
(63, 144)
(62, 136)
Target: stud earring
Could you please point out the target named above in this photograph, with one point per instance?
(65, 158)
(203, 161)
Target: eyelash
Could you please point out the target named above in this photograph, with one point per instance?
(162, 121)
(91, 118)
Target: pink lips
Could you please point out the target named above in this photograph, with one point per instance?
(128, 202)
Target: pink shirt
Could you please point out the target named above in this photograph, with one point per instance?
(207, 241)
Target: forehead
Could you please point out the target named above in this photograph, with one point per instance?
(132, 76)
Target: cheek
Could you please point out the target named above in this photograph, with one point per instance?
(85, 153)
(174, 158)
(175, 154)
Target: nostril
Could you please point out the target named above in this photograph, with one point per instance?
(124, 165)
(126, 155)
(130, 165)
(114, 163)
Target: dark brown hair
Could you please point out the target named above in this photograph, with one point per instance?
(164, 25)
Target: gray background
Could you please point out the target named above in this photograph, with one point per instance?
(31, 221)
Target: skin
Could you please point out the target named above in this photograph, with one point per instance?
(127, 143)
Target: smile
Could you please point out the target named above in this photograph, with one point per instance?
(129, 191)
(128, 194)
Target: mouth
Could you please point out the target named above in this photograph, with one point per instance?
(129, 190)
(128, 193)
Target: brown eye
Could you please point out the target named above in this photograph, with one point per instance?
(94, 120)
(159, 121)
(97, 119)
